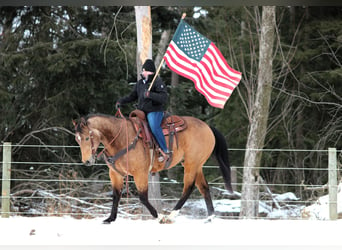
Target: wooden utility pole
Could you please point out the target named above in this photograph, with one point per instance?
(144, 51)
(144, 35)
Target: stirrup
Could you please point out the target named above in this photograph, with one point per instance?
(168, 161)
(164, 156)
(167, 157)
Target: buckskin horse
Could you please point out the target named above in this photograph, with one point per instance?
(125, 154)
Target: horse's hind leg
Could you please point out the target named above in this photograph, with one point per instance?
(203, 187)
(189, 185)
(187, 190)
(117, 183)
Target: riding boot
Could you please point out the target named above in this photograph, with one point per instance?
(165, 156)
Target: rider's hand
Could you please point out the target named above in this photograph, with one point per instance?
(147, 94)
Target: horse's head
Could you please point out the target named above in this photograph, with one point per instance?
(88, 139)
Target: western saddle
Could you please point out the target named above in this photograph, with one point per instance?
(170, 125)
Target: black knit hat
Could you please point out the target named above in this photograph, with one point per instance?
(149, 65)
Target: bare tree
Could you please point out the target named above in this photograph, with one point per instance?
(260, 113)
(163, 43)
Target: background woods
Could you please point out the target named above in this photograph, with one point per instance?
(59, 63)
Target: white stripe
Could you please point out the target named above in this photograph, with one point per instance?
(212, 64)
(170, 60)
(216, 78)
(236, 75)
(200, 69)
(212, 69)
(206, 90)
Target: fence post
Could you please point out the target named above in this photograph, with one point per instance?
(6, 180)
(332, 184)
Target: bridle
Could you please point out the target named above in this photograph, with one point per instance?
(93, 149)
(110, 160)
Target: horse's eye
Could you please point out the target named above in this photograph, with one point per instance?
(87, 138)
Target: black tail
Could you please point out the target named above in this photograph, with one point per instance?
(221, 153)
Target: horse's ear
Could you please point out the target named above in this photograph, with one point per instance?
(74, 122)
(83, 123)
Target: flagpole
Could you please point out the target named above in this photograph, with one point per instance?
(160, 65)
(156, 74)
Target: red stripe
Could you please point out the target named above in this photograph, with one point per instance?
(205, 94)
(217, 82)
(200, 75)
(225, 62)
(208, 85)
(178, 63)
(226, 75)
(219, 61)
(214, 73)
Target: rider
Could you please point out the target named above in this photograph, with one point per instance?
(151, 102)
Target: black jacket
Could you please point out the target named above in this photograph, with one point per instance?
(156, 100)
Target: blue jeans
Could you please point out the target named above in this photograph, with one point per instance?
(154, 121)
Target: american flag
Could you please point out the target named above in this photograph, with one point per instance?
(195, 57)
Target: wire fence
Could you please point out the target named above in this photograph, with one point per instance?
(64, 186)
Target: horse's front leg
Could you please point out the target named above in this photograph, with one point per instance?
(141, 182)
(117, 183)
(115, 204)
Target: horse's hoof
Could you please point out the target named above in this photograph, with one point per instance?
(209, 219)
(166, 220)
(107, 221)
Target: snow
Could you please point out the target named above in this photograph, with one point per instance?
(286, 197)
(184, 232)
(320, 209)
(227, 206)
(311, 228)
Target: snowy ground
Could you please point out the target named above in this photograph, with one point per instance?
(268, 234)
(314, 232)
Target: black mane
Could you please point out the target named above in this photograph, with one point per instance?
(84, 119)
(97, 114)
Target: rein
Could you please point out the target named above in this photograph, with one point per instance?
(127, 149)
(115, 137)
(111, 159)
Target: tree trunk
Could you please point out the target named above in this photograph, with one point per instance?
(174, 83)
(258, 126)
(144, 51)
(163, 43)
(299, 155)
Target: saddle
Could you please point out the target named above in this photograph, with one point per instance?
(171, 124)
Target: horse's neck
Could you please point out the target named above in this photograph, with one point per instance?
(111, 129)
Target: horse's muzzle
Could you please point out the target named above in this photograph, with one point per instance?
(90, 161)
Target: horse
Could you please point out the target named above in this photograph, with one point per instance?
(119, 138)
